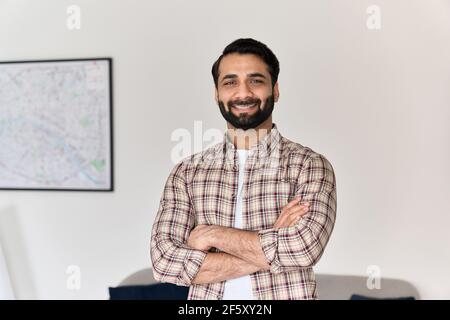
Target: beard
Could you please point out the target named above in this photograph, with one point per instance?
(245, 120)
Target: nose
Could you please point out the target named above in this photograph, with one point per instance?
(243, 91)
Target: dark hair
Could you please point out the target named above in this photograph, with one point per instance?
(249, 46)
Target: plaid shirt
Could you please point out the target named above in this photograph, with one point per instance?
(202, 189)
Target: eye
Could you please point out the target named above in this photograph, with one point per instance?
(257, 81)
(228, 83)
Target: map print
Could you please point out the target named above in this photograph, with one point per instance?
(55, 125)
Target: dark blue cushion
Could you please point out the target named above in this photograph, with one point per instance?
(157, 291)
(361, 297)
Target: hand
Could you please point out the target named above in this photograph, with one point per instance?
(291, 213)
(200, 237)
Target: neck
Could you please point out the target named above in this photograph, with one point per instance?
(245, 139)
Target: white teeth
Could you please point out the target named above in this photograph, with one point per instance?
(244, 106)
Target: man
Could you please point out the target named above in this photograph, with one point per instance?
(249, 217)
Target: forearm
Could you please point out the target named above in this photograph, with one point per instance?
(222, 266)
(242, 244)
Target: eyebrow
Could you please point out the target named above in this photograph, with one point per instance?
(250, 75)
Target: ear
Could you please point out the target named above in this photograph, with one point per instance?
(276, 92)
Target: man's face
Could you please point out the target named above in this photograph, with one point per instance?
(244, 91)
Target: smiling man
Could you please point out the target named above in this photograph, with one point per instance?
(247, 218)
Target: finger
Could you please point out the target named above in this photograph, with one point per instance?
(292, 202)
(280, 221)
(286, 218)
(295, 221)
(296, 209)
(287, 210)
(289, 222)
(288, 215)
(294, 218)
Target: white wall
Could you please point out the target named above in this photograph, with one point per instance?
(375, 103)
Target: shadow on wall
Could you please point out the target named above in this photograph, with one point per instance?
(15, 254)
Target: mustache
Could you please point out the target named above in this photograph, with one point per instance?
(244, 102)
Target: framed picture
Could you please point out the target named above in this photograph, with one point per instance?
(56, 125)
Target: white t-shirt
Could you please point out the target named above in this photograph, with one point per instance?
(239, 288)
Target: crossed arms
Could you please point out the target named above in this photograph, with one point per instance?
(243, 253)
(180, 255)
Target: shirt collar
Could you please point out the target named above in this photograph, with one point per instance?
(264, 148)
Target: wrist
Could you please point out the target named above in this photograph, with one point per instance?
(214, 235)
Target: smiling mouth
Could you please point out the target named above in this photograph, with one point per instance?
(245, 107)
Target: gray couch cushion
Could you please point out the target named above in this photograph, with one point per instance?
(329, 287)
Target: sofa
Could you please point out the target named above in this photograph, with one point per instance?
(329, 287)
